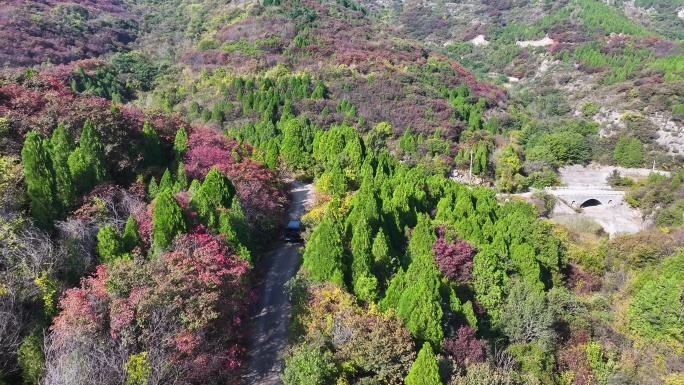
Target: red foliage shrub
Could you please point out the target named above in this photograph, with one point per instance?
(454, 259)
(200, 287)
(207, 149)
(572, 356)
(580, 281)
(465, 348)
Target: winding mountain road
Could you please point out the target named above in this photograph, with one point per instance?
(272, 315)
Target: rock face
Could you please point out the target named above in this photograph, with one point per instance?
(479, 40)
(536, 43)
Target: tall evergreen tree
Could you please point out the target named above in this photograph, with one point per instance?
(166, 182)
(181, 179)
(422, 239)
(338, 181)
(415, 294)
(408, 141)
(294, 144)
(323, 254)
(424, 370)
(110, 247)
(87, 162)
(152, 188)
(167, 220)
(218, 188)
(131, 236)
(153, 151)
(215, 192)
(239, 223)
(180, 143)
(61, 146)
(382, 259)
(272, 152)
(363, 281)
(490, 282)
(40, 181)
(319, 91)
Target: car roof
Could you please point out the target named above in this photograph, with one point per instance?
(293, 224)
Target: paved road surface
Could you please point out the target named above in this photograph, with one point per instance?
(273, 310)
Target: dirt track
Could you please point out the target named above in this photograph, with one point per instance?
(273, 310)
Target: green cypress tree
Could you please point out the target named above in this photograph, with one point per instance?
(272, 152)
(61, 146)
(217, 113)
(166, 183)
(417, 298)
(194, 187)
(422, 239)
(382, 259)
(419, 306)
(319, 91)
(180, 143)
(225, 227)
(476, 164)
(131, 236)
(91, 145)
(367, 175)
(233, 225)
(239, 223)
(424, 370)
(294, 144)
(215, 192)
(482, 158)
(528, 268)
(218, 188)
(80, 171)
(167, 220)
(394, 291)
(181, 179)
(323, 254)
(338, 181)
(634, 155)
(288, 112)
(490, 282)
(87, 162)
(110, 247)
(40, 181)
(363, 281)
(620, 149)
(152, 148)
(354, 150)
(152, 188)
(408, 141)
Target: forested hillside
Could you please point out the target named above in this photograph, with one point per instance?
(145, 148)
(618, 64)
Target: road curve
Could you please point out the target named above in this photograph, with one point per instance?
(272, 315)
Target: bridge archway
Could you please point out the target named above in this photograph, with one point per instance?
(591, 203)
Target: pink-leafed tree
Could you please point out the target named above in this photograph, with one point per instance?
(454, 258)
(465, 347)
(185, 309)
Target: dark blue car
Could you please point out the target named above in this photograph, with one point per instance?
(293, 231)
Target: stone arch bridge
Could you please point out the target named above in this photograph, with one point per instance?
(585, 196)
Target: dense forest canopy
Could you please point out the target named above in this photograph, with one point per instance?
(146, 149)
